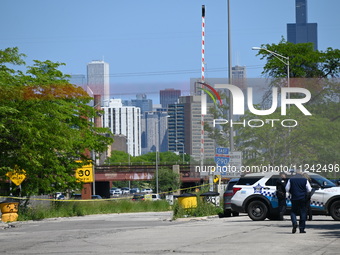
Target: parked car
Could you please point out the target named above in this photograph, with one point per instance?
(255, 194)
(137, 197)
(125, 190)
(134, 190)
(227, 195)
(96, 197)
(117, 192)
(57, 195)
(112, 190)
(61, 197)
(146, 190)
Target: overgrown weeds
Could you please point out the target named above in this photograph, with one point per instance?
(79, 208)
(203, 208)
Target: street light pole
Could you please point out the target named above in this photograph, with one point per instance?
(283, 59)
(230, 72)
(157, 134)
(183, 148)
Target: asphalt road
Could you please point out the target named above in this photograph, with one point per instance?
(155, 233)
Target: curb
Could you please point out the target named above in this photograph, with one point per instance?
(196, 218)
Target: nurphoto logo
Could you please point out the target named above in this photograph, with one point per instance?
(238, 105)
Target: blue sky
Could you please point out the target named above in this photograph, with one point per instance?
(153, 44)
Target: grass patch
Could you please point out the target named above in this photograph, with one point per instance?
(78, 208)
(203, 209)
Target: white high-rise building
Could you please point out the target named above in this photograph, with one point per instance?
(98, 79)
(124, 120)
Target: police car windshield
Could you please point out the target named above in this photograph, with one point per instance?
(323, 182)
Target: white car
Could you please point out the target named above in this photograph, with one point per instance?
(255, 194)
(111, 190)
(125, 190)
(117, 192)
(146, 190)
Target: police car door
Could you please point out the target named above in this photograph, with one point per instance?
(269, 190)
(317, 201)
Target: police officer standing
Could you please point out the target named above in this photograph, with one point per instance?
(299, 188)
(281, 194)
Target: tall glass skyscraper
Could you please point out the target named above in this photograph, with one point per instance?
(98, 79)
(184, 126)
(302, 31)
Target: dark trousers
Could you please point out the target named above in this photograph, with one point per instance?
(299, 208)
(282, 207)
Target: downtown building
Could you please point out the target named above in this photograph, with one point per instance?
(141, 101)
(184, 128)
(155, 131)
(169, 96)
(301, 31)
(124, 121)
(98, 80)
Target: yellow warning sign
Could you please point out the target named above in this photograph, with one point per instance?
(217, 178)
(17, 176)
(85, 173)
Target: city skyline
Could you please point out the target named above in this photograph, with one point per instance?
(147, 46)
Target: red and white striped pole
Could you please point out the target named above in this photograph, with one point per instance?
(203, 37)
(203, 96)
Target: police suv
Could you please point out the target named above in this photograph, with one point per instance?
(255, 194)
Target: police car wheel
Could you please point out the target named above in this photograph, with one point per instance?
(257, 210)
(335, 210)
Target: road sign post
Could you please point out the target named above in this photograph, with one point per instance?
(222, 158)
(235, 164)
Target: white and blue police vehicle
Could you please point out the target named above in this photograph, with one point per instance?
(255, 194)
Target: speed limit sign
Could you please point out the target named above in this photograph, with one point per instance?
(85, 173)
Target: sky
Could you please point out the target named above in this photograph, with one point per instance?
(155, 44)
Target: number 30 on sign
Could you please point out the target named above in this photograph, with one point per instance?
(85, 173)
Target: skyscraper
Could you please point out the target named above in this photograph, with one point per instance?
(176, 127)
(169, 96)
(124, 120)
(98, 79)
(184, 126)
(301, 31)
(154, 131)
(239, 76)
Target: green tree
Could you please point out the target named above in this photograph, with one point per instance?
(44, 125)
(314, 139)
(168, 180)
(118, 157)
(305, 62)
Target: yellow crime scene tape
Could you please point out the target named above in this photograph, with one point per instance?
(93, 200)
